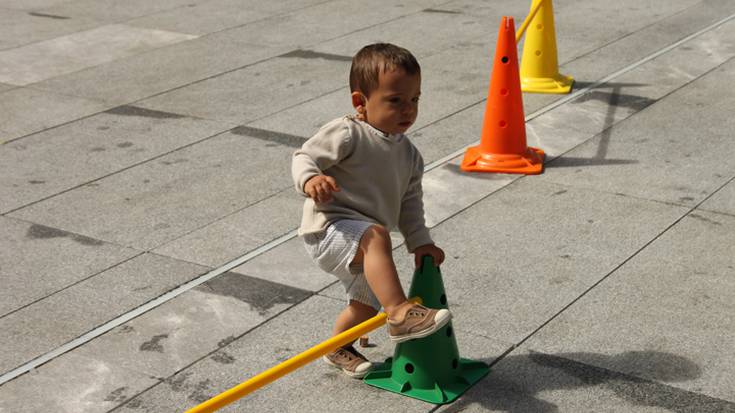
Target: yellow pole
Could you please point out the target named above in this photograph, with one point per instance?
(295, 362)
(526, 22)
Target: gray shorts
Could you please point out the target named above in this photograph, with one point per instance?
(334, 249)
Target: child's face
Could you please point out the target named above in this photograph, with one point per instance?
(393, 106)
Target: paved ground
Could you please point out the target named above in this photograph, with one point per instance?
(147, 250)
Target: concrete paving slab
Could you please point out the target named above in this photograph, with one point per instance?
(151, 347)
(566, 126)
(111, 10)
(159, 201)
(610, 103)
(325, 21)
(446, 136)
(270, 86)
(73, 383)
(61, 317)
(169, 338)
(36, 261)
(448, 190)
(24, 111)
(662, 161)
(631, 312)
(79, 152)
(309, 389)
(66, 54)
(18, 28)
(658, 32)
(236, 234)
(307, 117)
(525, 252)
(217, 15)
(652, 37)
(541, 382)
(126, 80)
(4, 87)
(288, 264)
(722, 201)
(558, 131)
(603, 22)
(29, 5)
(202, 18)
(434, 27)
(683, 64)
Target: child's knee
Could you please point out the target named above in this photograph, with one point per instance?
(376, 235)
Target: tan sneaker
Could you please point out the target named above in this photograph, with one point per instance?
(350, 361)
(418, 321)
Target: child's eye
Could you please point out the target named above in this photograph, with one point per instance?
(395, 100)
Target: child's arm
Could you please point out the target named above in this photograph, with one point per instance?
(411, 219)
(326, 148)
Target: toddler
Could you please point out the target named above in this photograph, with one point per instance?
(362, 177)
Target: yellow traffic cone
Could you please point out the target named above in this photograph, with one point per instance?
(539, 66)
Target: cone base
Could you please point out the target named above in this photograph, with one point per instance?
(529, 163)
(442, 391)
(559, 84)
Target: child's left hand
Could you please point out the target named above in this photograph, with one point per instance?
(429, 249)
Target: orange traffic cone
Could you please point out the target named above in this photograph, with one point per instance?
(503, 141)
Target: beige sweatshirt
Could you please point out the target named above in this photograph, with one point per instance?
(379, 176)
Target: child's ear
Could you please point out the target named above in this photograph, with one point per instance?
(358, 102)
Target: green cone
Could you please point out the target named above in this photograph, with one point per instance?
(428, 368)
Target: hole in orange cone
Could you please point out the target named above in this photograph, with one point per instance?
(503, 123)
(504, 91)
(504, 59)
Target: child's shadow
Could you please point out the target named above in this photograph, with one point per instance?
(515, 381)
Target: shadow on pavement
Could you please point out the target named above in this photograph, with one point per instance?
(517, 383)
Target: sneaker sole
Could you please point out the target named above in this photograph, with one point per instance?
(353, 374)
(441, 322)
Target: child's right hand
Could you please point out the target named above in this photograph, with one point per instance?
(320, 188)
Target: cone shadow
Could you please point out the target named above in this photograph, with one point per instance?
(517, 383)
(570, 161)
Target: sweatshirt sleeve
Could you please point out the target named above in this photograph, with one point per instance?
(411, 221)
(326, 148)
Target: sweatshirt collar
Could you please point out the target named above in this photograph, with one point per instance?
(392, 137)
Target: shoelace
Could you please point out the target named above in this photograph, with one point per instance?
(346, 354)
(417, 312)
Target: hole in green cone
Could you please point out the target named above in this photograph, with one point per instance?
(409, 368)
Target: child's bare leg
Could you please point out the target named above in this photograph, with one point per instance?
(347, 358)
(354, 314)
(376, 256)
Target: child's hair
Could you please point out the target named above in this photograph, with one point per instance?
(373, 59)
